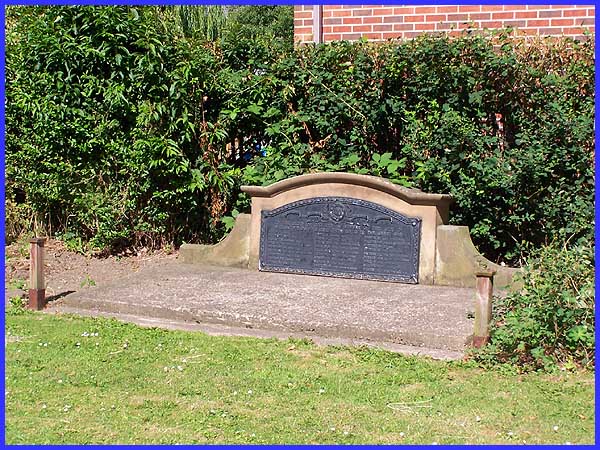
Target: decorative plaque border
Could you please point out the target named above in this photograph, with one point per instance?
(336, 215)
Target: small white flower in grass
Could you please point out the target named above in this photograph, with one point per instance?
(78, 344)
(112, 406)
(321, 391)
(250, 392)
(125, 345)
(345, 433)
(67, 408)
(402, 434)
(179, 368)
(40, 344)
(253, 435)
(234, 392)
(511, 434)
(85, 334)
(97, 344)
(477, 419)
(44, 406)
(555, 427)
(60, 381)
(45, 344)
(332, 428)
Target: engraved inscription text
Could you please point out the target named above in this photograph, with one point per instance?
(340, 236)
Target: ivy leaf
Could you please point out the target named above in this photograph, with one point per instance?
(254, 109)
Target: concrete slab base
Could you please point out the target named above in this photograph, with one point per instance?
(224, 330)
(413, 319)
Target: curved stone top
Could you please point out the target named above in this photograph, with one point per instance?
(411, 196)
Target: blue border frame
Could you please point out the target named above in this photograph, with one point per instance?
(264, 2)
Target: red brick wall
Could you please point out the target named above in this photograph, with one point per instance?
(380, 22)
(303, 23)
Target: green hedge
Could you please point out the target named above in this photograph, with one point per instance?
(550, 322)
(105, 137)
(123, 134)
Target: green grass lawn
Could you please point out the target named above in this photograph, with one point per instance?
(84, 380)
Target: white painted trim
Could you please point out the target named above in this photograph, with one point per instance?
(318, 24)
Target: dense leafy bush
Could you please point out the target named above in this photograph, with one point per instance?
(254, 21)
(550, 321)
(121, 132)
(107, 126)
(229, 21)
(507, 130)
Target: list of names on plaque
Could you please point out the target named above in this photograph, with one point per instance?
(340, 236)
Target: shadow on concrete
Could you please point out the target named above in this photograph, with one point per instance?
(53, 298)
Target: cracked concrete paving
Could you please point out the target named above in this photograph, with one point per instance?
(412, 319)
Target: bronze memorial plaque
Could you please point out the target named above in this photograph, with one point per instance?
(340, 237)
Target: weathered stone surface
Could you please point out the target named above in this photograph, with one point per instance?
(432, 209)
(483, 307)
(232, 251)
(408, 195)
(457, 260)
(242, 331)
(378, 312)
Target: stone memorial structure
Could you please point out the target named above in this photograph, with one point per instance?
(348, 225)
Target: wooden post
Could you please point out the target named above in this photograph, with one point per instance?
(483, 307)
(37, 288)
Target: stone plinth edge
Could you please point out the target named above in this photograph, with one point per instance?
(230, 252)
(458, 261)
(411, 196)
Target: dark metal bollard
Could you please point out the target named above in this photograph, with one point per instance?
(37, 288)
(483, 307)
